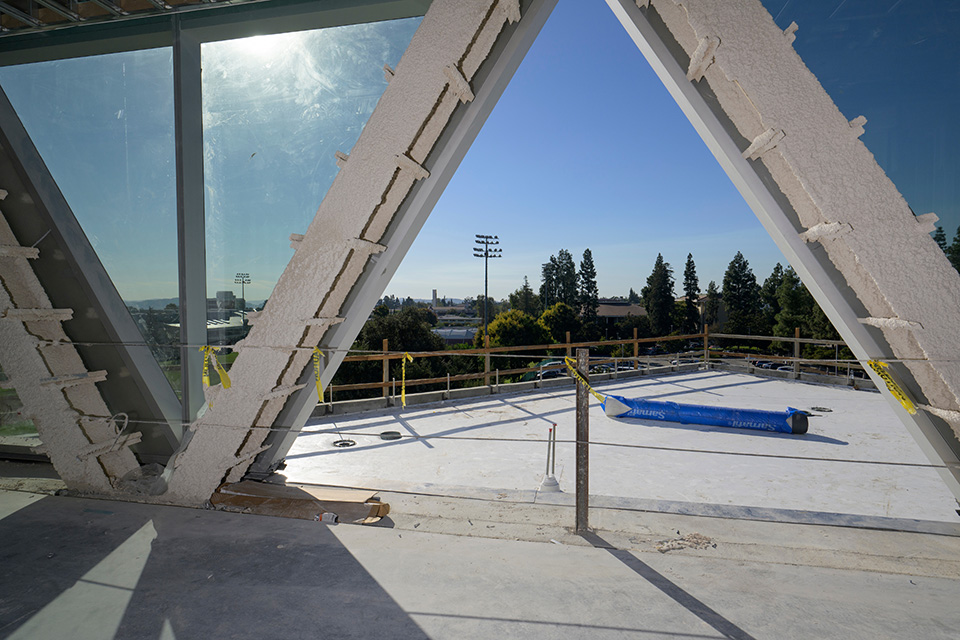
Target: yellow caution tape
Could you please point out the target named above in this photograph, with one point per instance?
(206, 367)
(316, 372)
(403, 378)
(210, 353)
(882, 370)
(572, 366)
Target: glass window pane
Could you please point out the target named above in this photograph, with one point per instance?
(104, 127)
(275, 111)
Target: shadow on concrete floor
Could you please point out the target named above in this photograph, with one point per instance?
(88, 568)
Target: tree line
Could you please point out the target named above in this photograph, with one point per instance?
(567, 300)
(952, 250)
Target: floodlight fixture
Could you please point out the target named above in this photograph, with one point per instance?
(483, 250)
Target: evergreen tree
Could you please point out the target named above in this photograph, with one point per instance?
(796, 306)
(941, 238)
(633, 297)
(559, 319)
(691, 289)
(525, 300)
(711, 306)
(588, 294)
(820, 325)
(658, 297)
(741, 295)
(566, 279)
(953, 251)
(771, 304)
(548, 282)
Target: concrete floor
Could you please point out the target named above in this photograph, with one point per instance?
(481, 554)
(80, 568)
(856, 459)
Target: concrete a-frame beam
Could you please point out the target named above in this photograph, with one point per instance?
(797, 161)
(345, 239)
(868, 261)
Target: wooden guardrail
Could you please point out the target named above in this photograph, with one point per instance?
(387, 384)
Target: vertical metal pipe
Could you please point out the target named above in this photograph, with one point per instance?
(549, 441)
(583, 442)
(553, 457)
(486, 360)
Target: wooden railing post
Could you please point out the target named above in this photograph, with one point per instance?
(636, 350)
(486, 360)
(583, 443)
(386, 368)
(706, 343)
(569, 353)
(796, 351)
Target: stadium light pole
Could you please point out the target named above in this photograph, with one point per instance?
(243, 279)
(484, 249)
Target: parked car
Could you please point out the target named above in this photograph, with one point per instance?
(547, 375)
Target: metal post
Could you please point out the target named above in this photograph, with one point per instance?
(549, 443)
(483, 250)
(583, 442)
(553, 456)
(188, 128)
(386, 367)
(486, 360)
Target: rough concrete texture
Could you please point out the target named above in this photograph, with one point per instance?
(56, 390)
(90, 569)
(830, 178)
(343, 237)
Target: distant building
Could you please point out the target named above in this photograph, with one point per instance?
(612, 310)
(457, 335)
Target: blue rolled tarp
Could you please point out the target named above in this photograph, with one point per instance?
(789, 421)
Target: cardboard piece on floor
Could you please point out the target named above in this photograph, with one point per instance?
(355, 506)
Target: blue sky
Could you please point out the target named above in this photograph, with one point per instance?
(585, 149)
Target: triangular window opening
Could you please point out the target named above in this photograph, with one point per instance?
(586, 149)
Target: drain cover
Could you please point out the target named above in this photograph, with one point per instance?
(821, 409)
(390, 435)
(344, 443)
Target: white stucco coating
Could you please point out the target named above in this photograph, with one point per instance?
(833, 182)
(58, 394)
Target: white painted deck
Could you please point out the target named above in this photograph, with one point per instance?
(857, 459)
